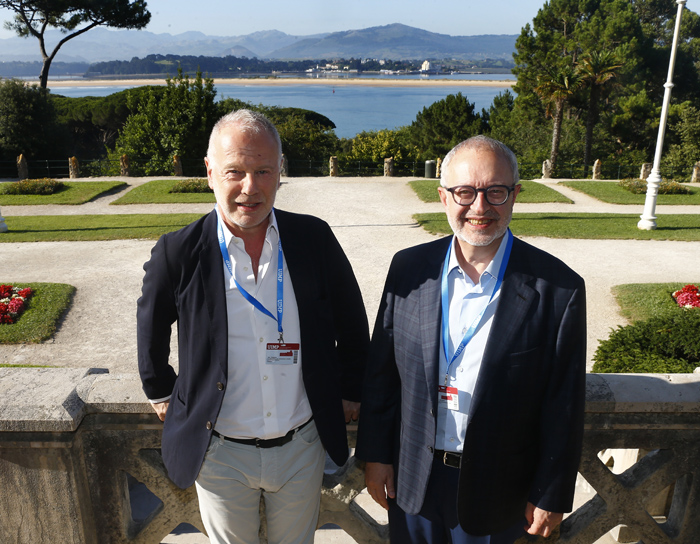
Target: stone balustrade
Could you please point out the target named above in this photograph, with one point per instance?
(76, 444)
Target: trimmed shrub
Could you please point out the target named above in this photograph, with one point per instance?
(193, 185)
(639, 187)
(668, 343)
(43, 186)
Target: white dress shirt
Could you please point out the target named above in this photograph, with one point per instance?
(466, 301)
(261, 400)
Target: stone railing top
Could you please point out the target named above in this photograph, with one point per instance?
(643, 393)
(57, 399)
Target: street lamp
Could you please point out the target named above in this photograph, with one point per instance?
(648, 219)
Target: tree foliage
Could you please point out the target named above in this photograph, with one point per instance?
(73, 18)
(175, 121)
(377, 145)
(620, 51)
(27, 122)
(93, 123)
(443, 124)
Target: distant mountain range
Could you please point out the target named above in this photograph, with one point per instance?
(396, 42)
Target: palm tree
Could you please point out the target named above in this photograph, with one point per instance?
(555, 88)
(595, 69)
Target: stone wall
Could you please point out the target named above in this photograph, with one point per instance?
(75, 444)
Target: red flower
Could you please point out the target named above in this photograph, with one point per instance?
(10, 311)
(688, 297)
(15, 306)
(25, 293)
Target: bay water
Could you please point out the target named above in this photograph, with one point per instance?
(353, 108)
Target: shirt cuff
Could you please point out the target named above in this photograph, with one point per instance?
(158, 401)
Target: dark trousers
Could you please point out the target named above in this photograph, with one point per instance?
(437, 521)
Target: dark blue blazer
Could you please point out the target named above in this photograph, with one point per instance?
(526, 417)
(184, 282)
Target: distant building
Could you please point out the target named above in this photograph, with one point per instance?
(425, 67)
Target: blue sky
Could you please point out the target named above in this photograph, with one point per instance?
(303, 17)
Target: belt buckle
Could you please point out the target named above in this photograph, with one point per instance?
(447, 460)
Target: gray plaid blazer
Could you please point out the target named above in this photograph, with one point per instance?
(524, 438)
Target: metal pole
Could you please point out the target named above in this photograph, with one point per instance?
(648, 219)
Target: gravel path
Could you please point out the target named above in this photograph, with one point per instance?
(370, 216)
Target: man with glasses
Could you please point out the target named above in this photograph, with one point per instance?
(472, 408)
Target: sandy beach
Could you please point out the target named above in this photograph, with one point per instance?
(282, 81)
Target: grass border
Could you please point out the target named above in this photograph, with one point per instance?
(47, 307)
(75, 193)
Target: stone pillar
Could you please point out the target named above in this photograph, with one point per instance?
(546, 169)
(333, 167)
(124, 166)
(438, 168)
(389, 167)
(3, 225)
(645, 172)
(284, 171)
(22, 167)
(695, 178)
(73, 168)
(597, 169)
(177, 165)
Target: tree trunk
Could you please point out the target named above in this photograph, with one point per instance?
(556, 133)
(44, 75)
(590, 123)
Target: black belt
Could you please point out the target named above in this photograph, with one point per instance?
(449, 458)
(265, 442)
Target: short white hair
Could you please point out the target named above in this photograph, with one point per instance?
(246, 121)
(477, 143)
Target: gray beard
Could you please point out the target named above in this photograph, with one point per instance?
(479, 242)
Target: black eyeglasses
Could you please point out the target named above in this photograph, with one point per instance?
(496, 195)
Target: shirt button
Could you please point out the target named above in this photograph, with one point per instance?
(452, 439)
(245, 268)
(269, 414)
(261, 339)
(220, 386)
(264, 378)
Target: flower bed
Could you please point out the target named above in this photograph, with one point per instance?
(13, 301)
(688, 297)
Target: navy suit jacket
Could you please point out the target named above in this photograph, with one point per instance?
(525, 429)
(184, 282)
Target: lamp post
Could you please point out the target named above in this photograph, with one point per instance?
(647, 220)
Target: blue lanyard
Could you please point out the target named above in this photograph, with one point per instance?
(446, 305)
(250, 298)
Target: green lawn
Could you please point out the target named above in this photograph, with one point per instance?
(612, 193)
(531, 193)
(75, 192)
(38, 322)
(641, 301)
(681, 227)
(157, 192)
(44, 228)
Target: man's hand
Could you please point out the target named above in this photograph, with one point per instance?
(379, 479)
(161, 408)
(352, 410)
(541, 522)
